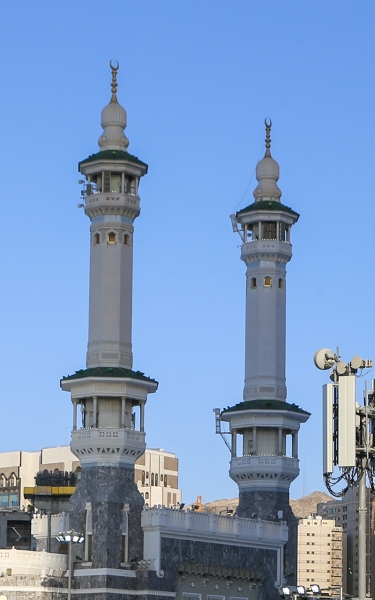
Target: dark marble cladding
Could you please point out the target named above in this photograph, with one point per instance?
(108, 488)
(175, 551)
(144, 581)
(266, 505)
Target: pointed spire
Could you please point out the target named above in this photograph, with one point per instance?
(114, 68)
(268, 124)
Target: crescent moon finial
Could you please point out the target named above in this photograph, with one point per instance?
(268, 124)
(114, 68)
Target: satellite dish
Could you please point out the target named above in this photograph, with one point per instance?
(324, 359)
(356, 362)
(341, 367)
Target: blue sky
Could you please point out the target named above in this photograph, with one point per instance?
(197, 79)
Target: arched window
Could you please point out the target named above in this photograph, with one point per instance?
(146, 474)
(152, 479)
(165, 481)
(111, 237)
(253, 283)
(3, 480)
(142, 494)
(147, 495)
(96, 239)
(127, 239)
(281, 283)
(143, 477)
(161, 477)
(267, 281)
(156, 479)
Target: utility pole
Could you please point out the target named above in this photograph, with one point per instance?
(348, 442)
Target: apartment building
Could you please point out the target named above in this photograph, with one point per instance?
(319, 552)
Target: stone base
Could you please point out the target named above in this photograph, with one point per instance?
(266, 505)
(108, 488)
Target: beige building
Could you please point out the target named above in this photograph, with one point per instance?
(156, 474)
(345, 513)
(319, 552)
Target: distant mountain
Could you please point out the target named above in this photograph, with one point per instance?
(302, 508)
(307, 505)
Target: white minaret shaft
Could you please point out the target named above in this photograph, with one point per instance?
(112, 204)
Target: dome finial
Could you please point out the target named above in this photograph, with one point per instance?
(268, 124)
(114, 68)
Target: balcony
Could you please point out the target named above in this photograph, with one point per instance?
(271, 471)
(108, 445)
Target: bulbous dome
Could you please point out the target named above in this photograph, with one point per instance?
(267, 173)
(114, 121)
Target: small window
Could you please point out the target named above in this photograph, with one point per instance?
(143, 477)
(165, 481)
(96, 239)
(281, 283)
(267, 281)
(111, 237)
(152, 479)
(156, 479)
(161, 477)
(147, 495)
(253, 283)
(127, 239)
(146, 474)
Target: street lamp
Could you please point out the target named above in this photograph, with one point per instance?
(70, 537)
(315, 588)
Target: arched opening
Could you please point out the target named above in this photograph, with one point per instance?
(152, 479)
(281, 283)
(165, 481)
(267, 281)
(111, 237)
(143, 477)
(147, 495)
(253, 283)
(96, 239)
(156, 479)
(127, 239)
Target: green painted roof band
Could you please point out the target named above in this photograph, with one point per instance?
(112, 155)
(265, 405)
(108, 372)
(267, 205)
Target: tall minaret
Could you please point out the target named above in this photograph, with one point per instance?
(106, 506)
(268, 425)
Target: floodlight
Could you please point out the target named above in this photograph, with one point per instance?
(315, 588)
(301, 590)
(286, 592)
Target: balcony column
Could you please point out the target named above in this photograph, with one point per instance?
(94, 411)
(122, 425)
(260, 230)
(278, 231)
(280, 449)
(295, 444)
(234, 444)
(142, 416)
(75, 401)
(255, 440)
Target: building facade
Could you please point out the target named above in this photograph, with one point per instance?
(319, 553)
(345, 513)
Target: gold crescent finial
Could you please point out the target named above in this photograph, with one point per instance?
(268, 124)
(114, 68)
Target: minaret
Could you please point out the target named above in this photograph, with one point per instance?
(267, 463)
(107, 505)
